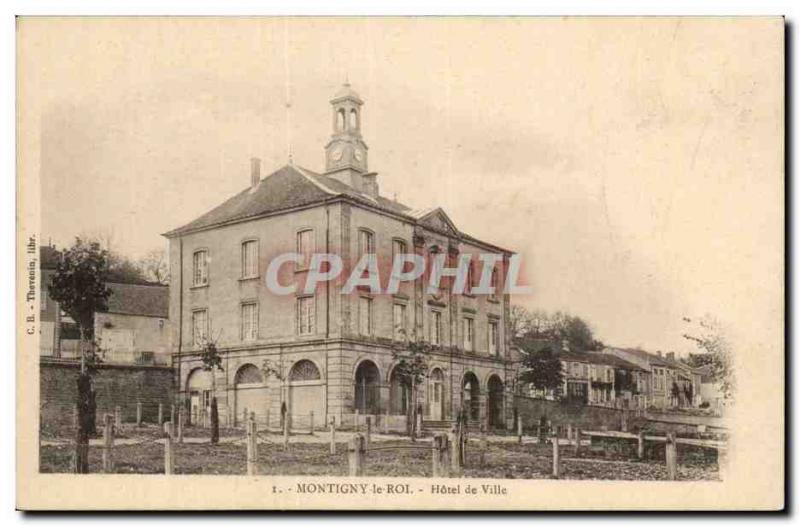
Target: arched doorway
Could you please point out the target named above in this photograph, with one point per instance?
(471, 397)
(198, 392)
(306, 394)
(495, 408)
(436, 394)
(250, 393)
(367, 388)
(399, 395)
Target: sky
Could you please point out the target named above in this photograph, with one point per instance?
(635, 165)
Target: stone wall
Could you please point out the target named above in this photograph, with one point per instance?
(116, 385)
(560, 413)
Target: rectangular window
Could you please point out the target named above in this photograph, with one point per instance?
(494, 284)
(200, 268)
(398, 247)
(305, 315)
(493, 338)
(249, 321)
(399, 320)
(366, 242)
(436, 327)
(305, 246)
(469, 334)
(200, 326)
(250, 259)
(365, 316)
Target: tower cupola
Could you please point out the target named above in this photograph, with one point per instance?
(346, 152)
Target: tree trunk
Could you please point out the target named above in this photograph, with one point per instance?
(214, 409)
(214, 420)
(412, 409)
(82, 438)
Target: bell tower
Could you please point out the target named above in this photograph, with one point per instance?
(346, 152)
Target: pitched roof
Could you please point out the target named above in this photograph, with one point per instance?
(654, 359)
(292, 186)
(284, 189)
(599, 359)
(139, 300)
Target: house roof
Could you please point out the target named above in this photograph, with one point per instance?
(293, 186)
(598, 358)
(139, 300)
(661, 361)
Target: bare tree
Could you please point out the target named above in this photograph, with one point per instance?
(155, 267)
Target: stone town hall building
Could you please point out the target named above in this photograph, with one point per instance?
(332, 352)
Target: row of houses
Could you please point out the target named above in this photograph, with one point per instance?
(631, 378)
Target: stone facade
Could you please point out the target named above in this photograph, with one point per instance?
(276, 359)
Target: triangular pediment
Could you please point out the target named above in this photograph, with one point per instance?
(437, 221)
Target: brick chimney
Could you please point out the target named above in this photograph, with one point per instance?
(255, 171)
(671, 356)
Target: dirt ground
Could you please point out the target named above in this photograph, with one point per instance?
(500, 459)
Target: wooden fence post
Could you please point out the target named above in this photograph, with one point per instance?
(369, 430)
(138, 414)
(180, 426)
(484, 446)
(252, 448)
(169, 452)
(577, 441)
(456, 465)
(671, 454)
(438, 452)
(519, 429)
(356, 456)
(118, 416)
(160, 415)
(333, 436)
(108, 443)
(286, 430)
(722, 462)
(556, 458)
(640, 446)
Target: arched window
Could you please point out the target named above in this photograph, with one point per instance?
(340, 120)
(248, 374)
(304, 371)
(353, 119)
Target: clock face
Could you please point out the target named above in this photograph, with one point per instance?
(336, 155)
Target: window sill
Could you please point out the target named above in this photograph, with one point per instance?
(248, 278)
(202, 286)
